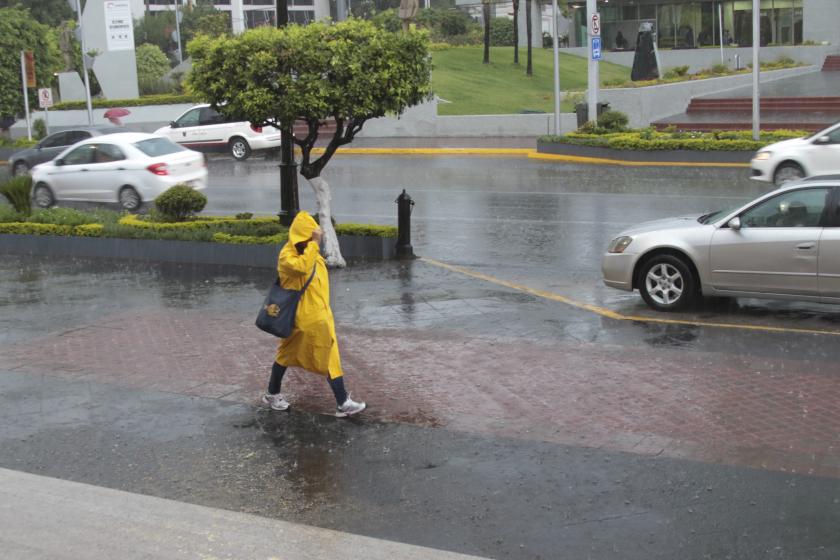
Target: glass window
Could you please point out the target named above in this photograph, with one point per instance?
(190, 118)
(800, 208)
(629, 12)
(106, 153)
(55, 140)
(208, 116)
(154, 147)
(80, 155)
(647, 11)
(74, 136)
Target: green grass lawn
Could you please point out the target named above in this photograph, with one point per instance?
(501, 87)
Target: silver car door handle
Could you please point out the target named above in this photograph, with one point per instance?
(806, 245)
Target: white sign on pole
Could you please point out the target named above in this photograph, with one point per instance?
(119, 27)
(45, 98)
(596, 25)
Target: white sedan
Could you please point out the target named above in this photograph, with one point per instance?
(128, 168)
(818, 154)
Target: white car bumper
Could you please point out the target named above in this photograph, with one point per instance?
(264, 141)
(762, 170)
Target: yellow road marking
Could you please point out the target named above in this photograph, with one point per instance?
(606, 161)
(610, 314)
(433, 151)
(530, 153)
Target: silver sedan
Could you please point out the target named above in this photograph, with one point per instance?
(782, 245)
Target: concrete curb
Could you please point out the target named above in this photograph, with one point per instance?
(432, 151)
(353, 248)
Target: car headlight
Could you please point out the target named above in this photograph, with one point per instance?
(619, 244)
(762, 156)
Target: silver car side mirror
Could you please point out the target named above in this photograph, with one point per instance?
(735, 223)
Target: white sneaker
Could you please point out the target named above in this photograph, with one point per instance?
(349, 408)
(276, 402)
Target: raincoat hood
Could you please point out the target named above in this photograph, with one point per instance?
(302, 227)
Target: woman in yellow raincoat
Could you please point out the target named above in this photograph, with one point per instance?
(312, 344)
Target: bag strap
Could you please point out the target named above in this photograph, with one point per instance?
(311, 276)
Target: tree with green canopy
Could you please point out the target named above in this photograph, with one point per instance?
(19, 31)
(349, 72)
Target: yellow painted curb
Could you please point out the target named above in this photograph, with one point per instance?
(432, 151)
(608, 313)
(606, 161)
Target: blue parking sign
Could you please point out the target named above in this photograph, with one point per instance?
(596, 48)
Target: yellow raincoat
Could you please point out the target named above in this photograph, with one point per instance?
(312, 344)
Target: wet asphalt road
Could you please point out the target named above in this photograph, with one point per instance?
(542, 225)
(539, 223)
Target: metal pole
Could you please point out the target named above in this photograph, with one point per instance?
(47, 119)
(591, 9)
(84, 63)
(556, 68)
(720, 30)
(756, 104)
(178, 31)
(25, 94)
(289, 205)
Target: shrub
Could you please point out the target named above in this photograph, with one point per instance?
(165, 99)
(62, 217)
(18, 192)
(455, 22)
(180, 202)
(613, 121)
(719, 69)
(222, 237)
(388, 19)
(501, 32)
(39, 129)
(9, 214)
(244, 216)
(366, 230)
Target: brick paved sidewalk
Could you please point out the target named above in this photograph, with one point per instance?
(425, 355)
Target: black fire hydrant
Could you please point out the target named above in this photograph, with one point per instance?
(404, 207)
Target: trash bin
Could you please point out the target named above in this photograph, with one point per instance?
(582, 111)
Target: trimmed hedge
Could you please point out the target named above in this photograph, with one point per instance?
(162, 99)
(222, 229)
(36, 229)
(366, 230)
(651, 140)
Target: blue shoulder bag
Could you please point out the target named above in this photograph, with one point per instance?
(277, 315)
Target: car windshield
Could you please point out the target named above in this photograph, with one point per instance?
(154, 147)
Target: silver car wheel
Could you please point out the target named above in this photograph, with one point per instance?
(239, 149)
(665, 284)
(788, 173)
(43, 197)
(129, 199)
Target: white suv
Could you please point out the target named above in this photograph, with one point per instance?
(818, 154)
(202, 128)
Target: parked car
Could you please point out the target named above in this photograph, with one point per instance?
(789, 160)
(782, 245)
(127, 168)
(24, 160)
(202, 128)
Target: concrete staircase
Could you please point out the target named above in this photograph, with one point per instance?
(801, 112)
(831, 64)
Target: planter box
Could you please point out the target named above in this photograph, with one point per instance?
(691, 156)
(353, 248)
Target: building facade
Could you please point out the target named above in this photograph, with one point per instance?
(254, 12)
(688, 24)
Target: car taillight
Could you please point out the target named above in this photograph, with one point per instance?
(158, 169)
(257, 129)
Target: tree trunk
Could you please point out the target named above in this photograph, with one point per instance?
(530, 68)
(516, 31)
(486, 13)
(332, 252)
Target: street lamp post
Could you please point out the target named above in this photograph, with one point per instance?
(289, 205)
(88, 101)
(756, 104)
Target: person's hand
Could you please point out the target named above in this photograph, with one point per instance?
(316, 235)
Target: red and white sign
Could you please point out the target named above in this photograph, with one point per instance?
(595, 29)
(45, 98)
